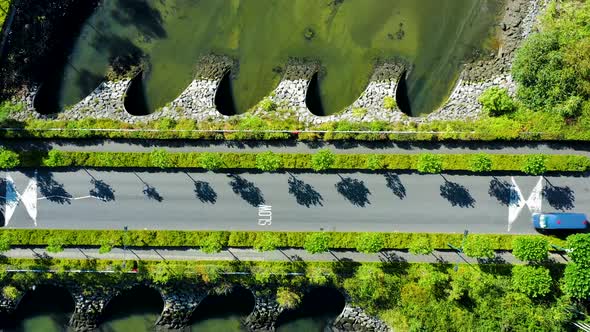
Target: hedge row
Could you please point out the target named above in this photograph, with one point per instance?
(523, 125)
(163, 238)
(450, 162)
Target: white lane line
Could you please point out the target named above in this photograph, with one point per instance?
(517, 201)
(13, 197)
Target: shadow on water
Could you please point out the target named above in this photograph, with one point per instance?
(136, 309)
(136, 102)
(47, 308)
(402, 96)
(50, 72)
(318, 309)
(313, 98)
(223, 312)
(224, 97)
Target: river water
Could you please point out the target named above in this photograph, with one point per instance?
(346, 36)
(49, 309)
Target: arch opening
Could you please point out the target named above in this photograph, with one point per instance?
(136, 309)
(313, 98)
(229, 308)
(317, 311)
(224, 96)
(135, 101)
(46, 307)
(402, 96)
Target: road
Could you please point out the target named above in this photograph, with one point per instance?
(299, 147)
(174, 200)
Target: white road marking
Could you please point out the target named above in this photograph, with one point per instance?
(517, 201)
(28, 198)
(266, 212)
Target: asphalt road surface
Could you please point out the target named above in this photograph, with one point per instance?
(93, 199)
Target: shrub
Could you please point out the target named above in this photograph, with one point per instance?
(268, 105)
(322, 160)
(11, 292)
(535, 165)
(57, 158)
(372, 288)
(4, 243)
(105, 246)
(370, 243)
(268, 161)
(287, 298)
(496, 101)
(316, 243)
(211, 161)
(480, 163)
(429, 163)
(421, 246)
(571, 108)
(160, 158)
(389, 103)
(580, 249)
(577, 281)
(358, 113)
(8, 159)
(478, 246)
(212, 244)
(318, 276)
(533, 281)
(533, 249)
(375, 162)
(266, 241)
(55, 245)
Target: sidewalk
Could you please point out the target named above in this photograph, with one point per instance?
(282, 255)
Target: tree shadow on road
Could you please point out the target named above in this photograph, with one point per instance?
(203, 191)
(457, 194)
(150, 191)
(501, 190)
(354, 191)
(560, 198)
(246, 189)
(304, 193)
(51, 189)
(102, 190)
(395, 184)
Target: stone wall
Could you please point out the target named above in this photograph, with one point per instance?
(354, 319)
(180, 301)
(266, 311)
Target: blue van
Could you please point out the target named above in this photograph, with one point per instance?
(558, 220)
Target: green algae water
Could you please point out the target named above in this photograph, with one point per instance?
(346, 36)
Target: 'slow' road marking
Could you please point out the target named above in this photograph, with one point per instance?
(265, 215)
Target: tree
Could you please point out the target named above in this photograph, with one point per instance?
(55, 245)
(370, 243)
(316, 243)
(5, 242)
(211, 161)
(212, 244)
(389, 103)
(318, 275)
(375, 162)
(534, 281)
(496, 101)
(480, 162)
(429, 163)
(532, 249)
(268, 161)
(580, 249)
(478, 246)
(8, 159)
(372, 288)
(577, 281)
(57, 158)
(421, 246)
(287, 298)
(266, 241)
(160, 158)
(105, 246)
(535, 165)
(323, 160)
